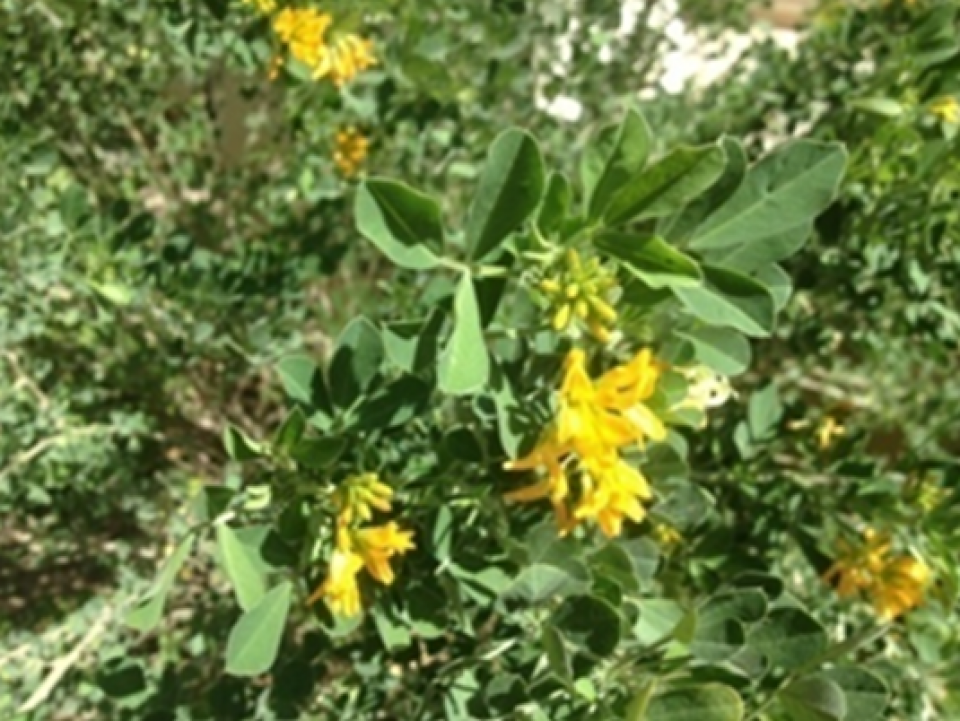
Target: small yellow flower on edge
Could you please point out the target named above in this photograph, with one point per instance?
(894, 585)
(829, 429)
(947, 108)
(350, 151)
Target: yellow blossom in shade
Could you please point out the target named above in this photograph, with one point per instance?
(947, 108)
(612, 491)
(828, 430)
(546, 459)
(894, 585)
(350, 151)
(359, 495)
(666, 535)
(339, 588)
(378, 544)
(857, 564)
(264, 6)
(899, 587)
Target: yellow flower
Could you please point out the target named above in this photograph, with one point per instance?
(626, 387)
(358, 495)
(899, 587)
(545, 458)
(303, 31)
(350, 151)
(828, 430)
(594, 421)
(348, 56)
(340, 587)
(894, 585)
(264, 6)
(666, 535)
(856, 565)
(578, 292)
(612, 490)
(582, 422)
(947, 108)
(378, 544)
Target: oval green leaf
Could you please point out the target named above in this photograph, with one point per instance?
(255, 638)
(464, 364)
(240, 564)
(403, 223)
(510, 189)
(666, 186)
(652, 260)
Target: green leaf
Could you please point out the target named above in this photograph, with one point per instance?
(887, 107)
(396, 404)
(556, 203)
(147, 613)
(303, 382)
(356, 361)
(403, 223)
(732, 300)
(764, 412)
(557, 657)
(393, 634)
(510, 189)
(239, 446)
(637, 708)
(778, 282)
(414, 345)
(318, 453)
(814, 699)
(464, 364)
(717, 639)
(724, 350)
(786, 189)
(710, 702)
(652, 260)
(666, 186)
(631, 148)
(588, 623)
(613, 563)
(543, 581)
(255, 638)
(789, 638)
(762, 251)
(240, 564)
(684, 224)
(595, 157)
(291, 430)
(658, 620)
(866, 694)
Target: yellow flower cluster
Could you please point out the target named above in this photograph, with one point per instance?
(350, 151)
(356, 547)
(895, 585)
(947, 108)
(264, 6)
(595, 420)
(341, 58)
(578, 291)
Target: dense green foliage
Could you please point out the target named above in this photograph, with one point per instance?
(207, 327)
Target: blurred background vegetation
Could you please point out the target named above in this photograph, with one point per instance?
(173, 222)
